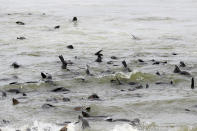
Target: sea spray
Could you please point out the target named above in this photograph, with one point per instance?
(124, 127)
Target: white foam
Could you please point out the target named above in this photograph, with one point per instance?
(73, 127)
(41, 126)
(36, 126)
(124, 127)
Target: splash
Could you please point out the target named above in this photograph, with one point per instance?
(73, 127)
(124, 127)
(36, 126)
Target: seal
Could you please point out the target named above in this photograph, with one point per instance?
(15, 65)
(114, 57)
(177, 70)
(87, 70)
(99, 56)
(182, 64)
(94, 96)
(74, 19)
(125, 66)
(64, 63)
(140, 60)
(15, 101)
(21, 38)
(13, 91)
(57, 27)
(47, 106)
(60, 89)
(70, 47)
(20, 23)
(46, 76)
(192, 83)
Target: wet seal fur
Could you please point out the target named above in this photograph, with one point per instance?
(192, 83)
(74, 19)
(15, 65)
(81, 108)
(57, 27)
(60, 89)
(88, 71)
(47, 106)
(64, 63)
(114, 57)
(125, 66)
(133, 122)
(46, 76)
(13, 91)
(21, 38)
(182, 64)
(94, 96)
(87, 115)
(99, 56)
(177, 70)
(15, 101)
(20, 23)
(136, 88)
(70, 47)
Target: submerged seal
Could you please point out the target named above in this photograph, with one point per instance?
(57, 27)
(20, 23)
(21, 38)
(94, 96)
(74, 19)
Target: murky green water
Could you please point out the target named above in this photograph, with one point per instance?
(165, 31)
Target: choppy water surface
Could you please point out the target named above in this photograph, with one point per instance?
(163, 29)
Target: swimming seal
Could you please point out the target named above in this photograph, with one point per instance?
(20, 23)
(70, 47)
(21, 38)
(125, 66)
(57, 27)
(192, 83)
(60, 89)
(15, 101)
(64, 63)
(47, 106)
(99, 56)
(74, 19)
(15, 65)
(94, 96)
(46, 76)
(177, 70)
(182, 64)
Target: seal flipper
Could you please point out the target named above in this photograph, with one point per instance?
(64, 63)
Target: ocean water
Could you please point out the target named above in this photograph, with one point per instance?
(160, 30)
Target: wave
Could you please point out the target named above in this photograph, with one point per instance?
(41, 126)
